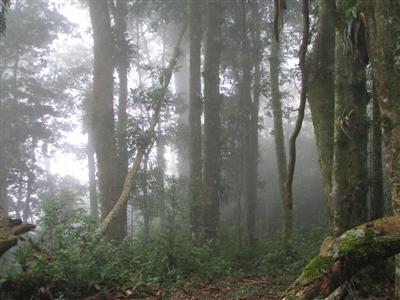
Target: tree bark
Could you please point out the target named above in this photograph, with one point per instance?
(349, 180)
(383, 26)
(103, 113)
(321, 97)
(195, 111)
(377, 194)
(212, 122)
(122, 47)
(343, 257)
(274, 63)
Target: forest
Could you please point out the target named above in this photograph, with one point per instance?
(199, 149)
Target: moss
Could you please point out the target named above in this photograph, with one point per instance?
(357, 242)
(317, 265)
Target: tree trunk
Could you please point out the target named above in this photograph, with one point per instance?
(212, 122)
(10, 230)
(383, 25)
(92, 178)
(349, 179)
(343, 257)
(300, 115)
(181, 77)
(148, 140)
(122, 48)
(146, 207)
(377, 195)
(274, 65)
(321, 95)
(103, 113)
(195, 111)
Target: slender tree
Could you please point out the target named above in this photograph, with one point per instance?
(195, 111)
(274, 65)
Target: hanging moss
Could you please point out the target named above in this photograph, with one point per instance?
(317, 265)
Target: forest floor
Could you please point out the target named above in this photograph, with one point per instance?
(264, 287)
(249, 287)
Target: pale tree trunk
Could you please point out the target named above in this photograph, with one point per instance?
(181, 80)
(92, 178)
(148, 140)
(321, 96)
(102, 114)
(274, 65)
(349, 174)
(195, 111)
(212, 122)
(146, 207)
(383, 25)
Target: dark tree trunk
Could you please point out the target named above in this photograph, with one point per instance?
(195, 111)
(383, 25)
(212, 122)
(349, 174)
(377, 194)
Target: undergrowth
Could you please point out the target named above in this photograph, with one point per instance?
(70, 264)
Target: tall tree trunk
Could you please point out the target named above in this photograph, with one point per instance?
(212, 122)
(274, 65)
(92, 178)
(321, 95)
(161, 165)
(181, 77)
(146, 207)
(246, 112)
(349, 180)
(195, 111)
(122, 48)
(103, 113)
(383, 25)
(377, 195)
(300, 116)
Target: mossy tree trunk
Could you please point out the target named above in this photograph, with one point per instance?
(341, 258)
(195, 111)
(321, 94)
(383, 24)
(212, 122)
(349, 173)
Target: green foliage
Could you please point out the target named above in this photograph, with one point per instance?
(73, 264)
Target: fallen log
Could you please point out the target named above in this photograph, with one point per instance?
(10, 230)
(343, 257)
